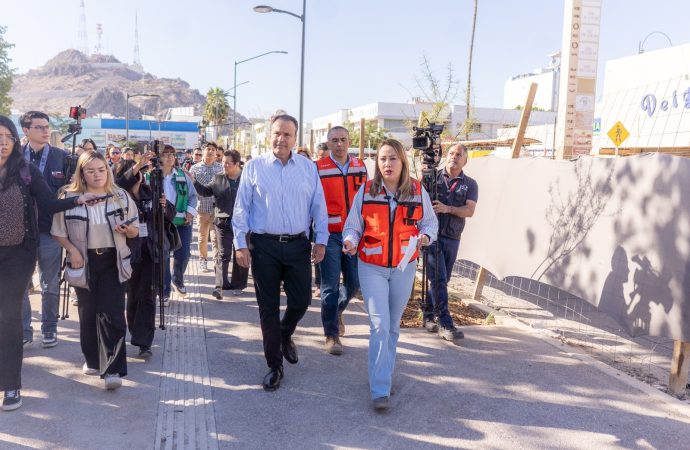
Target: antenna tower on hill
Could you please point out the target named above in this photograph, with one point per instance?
(137, 61)
(82, 39)
(99, 33)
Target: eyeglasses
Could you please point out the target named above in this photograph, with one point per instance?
(114, 153)
(40, 127)
(167, 154)
(198, 154)
(7, 138)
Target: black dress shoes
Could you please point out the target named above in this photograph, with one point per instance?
(289, 350)
(272, 379)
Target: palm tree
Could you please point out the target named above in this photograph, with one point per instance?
(469, 76)
(217, 109)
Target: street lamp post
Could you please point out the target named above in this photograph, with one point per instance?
(303, 18)
(234, 88)
(640, 47)
(127, 112)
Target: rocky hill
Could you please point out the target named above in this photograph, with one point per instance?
(100, 84)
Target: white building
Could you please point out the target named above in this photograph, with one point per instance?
(649, 94)
(398, 119)
(516, 89)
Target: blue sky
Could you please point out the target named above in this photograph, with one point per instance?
(357, 51)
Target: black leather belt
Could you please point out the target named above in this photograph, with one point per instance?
(101, 251)
(283, 237)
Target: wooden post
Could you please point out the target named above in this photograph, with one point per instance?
(362, 122)
(524, 120)
(679, 367)
(479, 283)
(517, 145)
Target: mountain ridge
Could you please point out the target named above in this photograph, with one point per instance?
(100, 84)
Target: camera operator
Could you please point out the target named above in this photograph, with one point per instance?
(53, 163)
(141, 303)
(457, 198)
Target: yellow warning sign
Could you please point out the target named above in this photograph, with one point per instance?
(618, 134)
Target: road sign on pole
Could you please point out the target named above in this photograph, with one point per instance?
(618, 134)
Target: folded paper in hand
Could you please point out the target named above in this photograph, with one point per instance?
(409, 252)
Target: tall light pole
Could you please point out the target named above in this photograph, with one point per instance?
(234, 88)
(640, 47)
(127, 111)
(303, 18)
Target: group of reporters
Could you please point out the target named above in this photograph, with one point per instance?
(361, 230)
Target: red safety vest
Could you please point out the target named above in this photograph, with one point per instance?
(384, 240)
(340, 189)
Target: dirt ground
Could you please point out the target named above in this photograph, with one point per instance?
(461, 313)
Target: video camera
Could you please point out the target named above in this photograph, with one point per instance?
(77, 113)
(157, 191)
(156, 147)
(427, 139)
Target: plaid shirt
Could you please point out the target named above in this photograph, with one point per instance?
(204, 174)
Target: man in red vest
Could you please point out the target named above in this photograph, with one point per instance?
(341, 176)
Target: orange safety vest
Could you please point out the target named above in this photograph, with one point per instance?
(384, 239)
(340, 189)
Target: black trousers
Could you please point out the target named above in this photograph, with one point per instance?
(16, 266)
(141, 306)
(274, 262)
(224, 254)
(102, 326)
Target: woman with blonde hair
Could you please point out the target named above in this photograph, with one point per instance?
(388, 213)
(95, 238)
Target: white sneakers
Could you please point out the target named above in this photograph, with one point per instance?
(112, 381)
(86, 370)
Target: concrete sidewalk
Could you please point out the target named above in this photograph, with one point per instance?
(502, 387)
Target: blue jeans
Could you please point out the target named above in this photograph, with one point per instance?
(333, 299)
(49, 260)
(436, 304)
(180, 260)
(386, 292)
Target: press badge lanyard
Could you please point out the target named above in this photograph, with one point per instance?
(44, 157)
(451, 187)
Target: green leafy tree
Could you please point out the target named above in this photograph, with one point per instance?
(439, 93)
(373, 135)
(217, 108)
(6, 74)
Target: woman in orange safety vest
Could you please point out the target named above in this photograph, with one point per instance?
(389, 212)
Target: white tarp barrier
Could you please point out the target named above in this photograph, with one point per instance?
(615, 232)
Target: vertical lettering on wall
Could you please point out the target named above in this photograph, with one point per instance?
(578, 77)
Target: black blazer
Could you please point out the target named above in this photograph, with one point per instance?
(223, 190)
(38, 196)
(54, 175)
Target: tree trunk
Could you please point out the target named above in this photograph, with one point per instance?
(469, 76)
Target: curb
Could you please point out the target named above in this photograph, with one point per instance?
(551, 338)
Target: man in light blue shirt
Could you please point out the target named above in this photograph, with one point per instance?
(279, 196)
